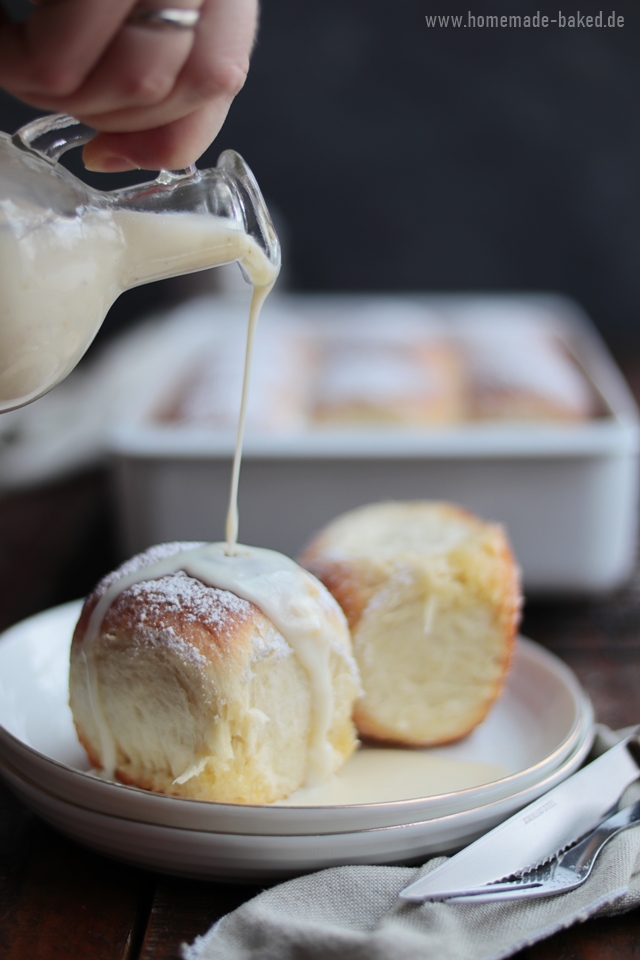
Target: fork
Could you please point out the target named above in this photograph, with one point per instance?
(565, 872)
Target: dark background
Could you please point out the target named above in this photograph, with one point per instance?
(400, 157)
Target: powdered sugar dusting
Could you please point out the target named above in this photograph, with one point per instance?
(151, 607)
(195, 602)
(167, 638)
(158, 552)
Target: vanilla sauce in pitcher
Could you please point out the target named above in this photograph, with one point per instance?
(58, 284)
(68, 250)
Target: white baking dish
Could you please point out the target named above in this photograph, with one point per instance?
(567, 493)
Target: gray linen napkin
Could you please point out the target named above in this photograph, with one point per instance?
(353, 913)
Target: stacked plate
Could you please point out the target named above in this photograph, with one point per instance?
(539, 732)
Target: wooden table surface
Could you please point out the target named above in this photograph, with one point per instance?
(58, 900)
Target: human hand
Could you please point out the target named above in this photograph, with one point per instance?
(157, 95)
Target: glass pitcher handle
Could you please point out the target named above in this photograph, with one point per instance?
(53, 135)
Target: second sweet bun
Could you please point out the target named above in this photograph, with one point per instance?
(432, 596)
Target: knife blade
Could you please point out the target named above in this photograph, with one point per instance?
(538, 831)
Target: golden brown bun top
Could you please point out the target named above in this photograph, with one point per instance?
(175, 610)
(394, 528)
(355, 553)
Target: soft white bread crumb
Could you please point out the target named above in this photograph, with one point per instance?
(203, 696)
(432, 597)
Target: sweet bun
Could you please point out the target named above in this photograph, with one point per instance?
(202, 695)
(388, 381)
(432, 597)
(520, 369)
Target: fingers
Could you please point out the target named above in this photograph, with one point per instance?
(54, 51)
(170, 147)
(178, 130)
(215, 70)
(139, 69)
(142, 87)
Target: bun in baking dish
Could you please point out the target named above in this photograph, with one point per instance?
(371, 380)
(203, 697)
(519, 367)
(432, 597)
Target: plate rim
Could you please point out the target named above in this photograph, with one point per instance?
(581, 752)
(583, 724)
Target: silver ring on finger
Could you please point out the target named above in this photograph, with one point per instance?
(177, 17)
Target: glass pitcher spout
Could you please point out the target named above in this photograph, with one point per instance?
(230, 194)
(67, 250)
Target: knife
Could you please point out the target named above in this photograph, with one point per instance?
(539, 831)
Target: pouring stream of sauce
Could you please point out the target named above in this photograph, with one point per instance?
(258, 298)
(287, 595)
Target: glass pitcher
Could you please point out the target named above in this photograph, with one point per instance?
(67, 251)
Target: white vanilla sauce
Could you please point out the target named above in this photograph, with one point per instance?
(379, 775)
(59, 279)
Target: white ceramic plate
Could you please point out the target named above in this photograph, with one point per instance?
(211, 855)
(540, 729)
